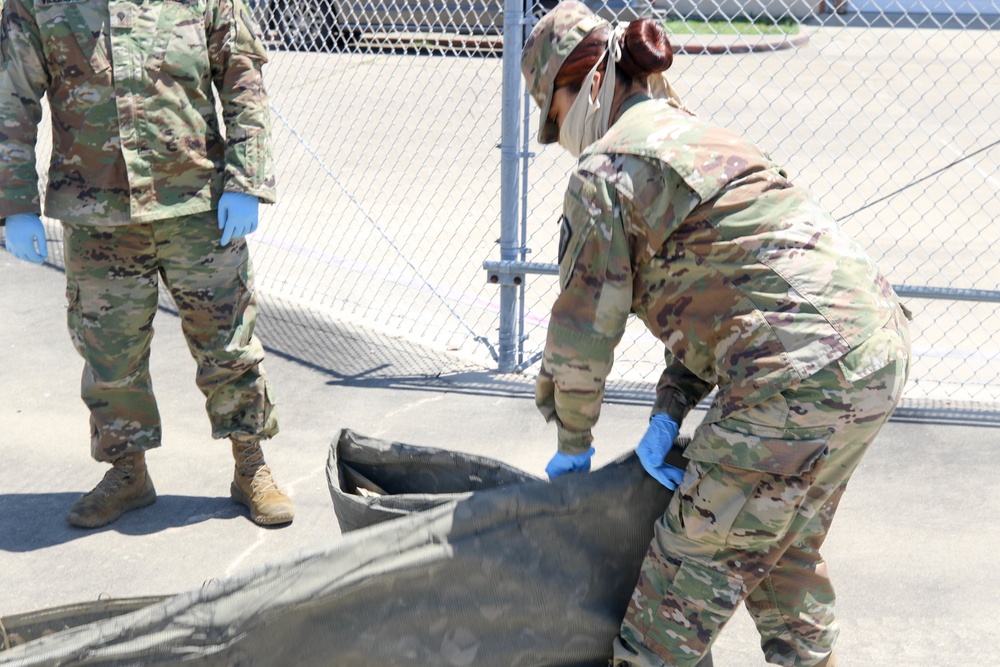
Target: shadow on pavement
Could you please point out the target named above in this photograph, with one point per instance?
(354, 357)
(33, 521)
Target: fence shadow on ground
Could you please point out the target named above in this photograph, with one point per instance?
(354, 356)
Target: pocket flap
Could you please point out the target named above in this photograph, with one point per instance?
(880, 350)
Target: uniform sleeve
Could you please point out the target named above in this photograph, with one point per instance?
(23, 81)
(678, 390)
(588, 318)
(237, 57)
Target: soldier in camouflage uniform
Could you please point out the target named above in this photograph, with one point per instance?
(756, 292)
(143, 181)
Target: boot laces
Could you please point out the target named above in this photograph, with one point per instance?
(251, 457)
(250, 463)
(121, 473)
(262, 481)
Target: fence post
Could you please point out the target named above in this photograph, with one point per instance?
(510, 155)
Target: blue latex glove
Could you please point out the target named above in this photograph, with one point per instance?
(237, 215)
(23, 231)
(653, 448)
(560, 464)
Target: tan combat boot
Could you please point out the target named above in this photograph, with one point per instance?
(254, 487)
(126, 487)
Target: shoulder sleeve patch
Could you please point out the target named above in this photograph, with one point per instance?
(565, 235)
(580, 213)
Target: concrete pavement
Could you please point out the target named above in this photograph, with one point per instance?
(913, 551)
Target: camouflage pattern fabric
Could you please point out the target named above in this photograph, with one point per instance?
(754, 507)
(129, 84)
(751, 286)
(755, 291)
(112, 287)
(551, 41)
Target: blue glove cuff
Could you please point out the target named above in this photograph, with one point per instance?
(666, 421)
(560, 464)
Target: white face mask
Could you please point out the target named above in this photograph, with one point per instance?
(588, 120)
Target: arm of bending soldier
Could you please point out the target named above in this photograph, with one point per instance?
(678, 390)
(23, 81)
(237, 56)
(588, 318)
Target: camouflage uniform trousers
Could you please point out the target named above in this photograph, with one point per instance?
(733, 535)
(112, 293)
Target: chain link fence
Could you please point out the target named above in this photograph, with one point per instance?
(407, 163)
(888, 122)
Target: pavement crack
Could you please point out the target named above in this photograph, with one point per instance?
(408, 407)
(238, 561)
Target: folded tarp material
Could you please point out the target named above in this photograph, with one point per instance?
(463, 561)
(374, 480)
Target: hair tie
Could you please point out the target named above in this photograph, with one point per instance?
(616, 41)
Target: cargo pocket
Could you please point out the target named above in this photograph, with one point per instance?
(747, 445)
(269, 415)
(254, 155)
(248, 33)
(760, 480)
(882, 348)
(576, 225)
(571, 242)
(245, 305)
(702, 598)
(705, 506)
(74, 315)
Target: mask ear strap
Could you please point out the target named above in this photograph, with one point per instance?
(606, 94)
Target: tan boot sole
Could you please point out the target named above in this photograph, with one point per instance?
(146, 499)
(258, 519)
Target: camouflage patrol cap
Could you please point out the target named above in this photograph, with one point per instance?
(549, 44)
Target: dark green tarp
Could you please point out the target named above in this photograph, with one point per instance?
(447, 559)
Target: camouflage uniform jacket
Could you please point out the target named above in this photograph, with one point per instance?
(130, 88)
(749, 284)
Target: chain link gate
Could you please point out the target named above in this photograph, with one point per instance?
(385, 135)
